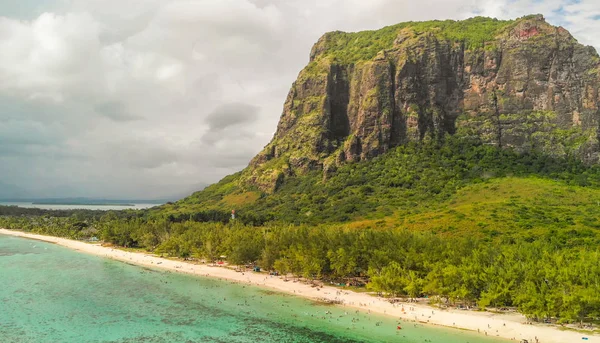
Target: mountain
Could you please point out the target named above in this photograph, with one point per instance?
(385, 120)
(522, 83)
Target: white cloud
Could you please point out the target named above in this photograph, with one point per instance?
(118, 97)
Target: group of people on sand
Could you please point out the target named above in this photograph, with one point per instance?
(527, 341)
(339, 296)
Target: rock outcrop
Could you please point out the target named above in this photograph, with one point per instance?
(523, 84)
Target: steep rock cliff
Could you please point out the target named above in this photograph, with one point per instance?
(523, 84)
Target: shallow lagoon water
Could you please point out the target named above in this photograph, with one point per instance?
(52, 294)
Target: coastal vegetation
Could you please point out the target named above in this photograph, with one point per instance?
(545, 279)
(459, 222)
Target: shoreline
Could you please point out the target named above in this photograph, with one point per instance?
(508, 326)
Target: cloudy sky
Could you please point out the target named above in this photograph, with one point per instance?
(153, 98)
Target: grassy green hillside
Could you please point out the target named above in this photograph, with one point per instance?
(455, 187)
(511, 208)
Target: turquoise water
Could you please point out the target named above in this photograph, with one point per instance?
(51, 294)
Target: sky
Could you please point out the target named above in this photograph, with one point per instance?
(157, 98)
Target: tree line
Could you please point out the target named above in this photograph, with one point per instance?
(543, 279)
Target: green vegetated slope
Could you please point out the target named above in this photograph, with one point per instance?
(457, 187)
(526, 207)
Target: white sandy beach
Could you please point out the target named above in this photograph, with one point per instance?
(509, 326)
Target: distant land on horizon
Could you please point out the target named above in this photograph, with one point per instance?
(88, 201)
(13, 193)
(77, 203)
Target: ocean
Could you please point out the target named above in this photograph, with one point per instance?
(52, 294)
(78, 206)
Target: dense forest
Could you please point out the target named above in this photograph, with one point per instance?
(543, 279)
(459, 222)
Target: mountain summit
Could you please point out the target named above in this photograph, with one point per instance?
(524, 84)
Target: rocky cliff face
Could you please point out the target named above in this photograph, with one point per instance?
(523, 84)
